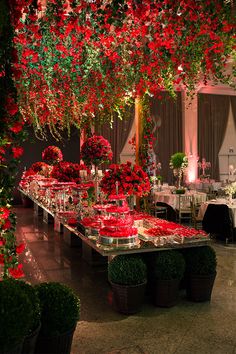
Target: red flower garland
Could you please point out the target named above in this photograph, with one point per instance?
(96, 150)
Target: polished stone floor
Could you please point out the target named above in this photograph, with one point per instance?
(188, 328)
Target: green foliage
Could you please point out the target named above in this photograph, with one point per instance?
(168, 265)
(177, 159)
(127, 270)
(30, 291)
(200, 260)
(60, 308)
(16, 314)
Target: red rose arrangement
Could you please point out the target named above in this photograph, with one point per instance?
(52, 155)
(132, 180)
(68, 171)
(96, 150)
(41, 168)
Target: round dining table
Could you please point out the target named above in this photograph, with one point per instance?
(166, 196)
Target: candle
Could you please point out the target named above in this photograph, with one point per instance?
(83, 173)
(117, 188)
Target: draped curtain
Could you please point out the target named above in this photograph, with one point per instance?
(167, 115)
(213, 112)
(233, 106)
(118, 133)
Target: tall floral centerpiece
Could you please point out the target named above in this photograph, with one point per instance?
(52, 155)
(95, 151)
(126, 179)
(179, 163)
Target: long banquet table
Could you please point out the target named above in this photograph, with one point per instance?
(90, 243)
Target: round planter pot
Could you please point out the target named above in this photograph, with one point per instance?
(30, 341)
(59, 344)
(165, 292)
(199, 287)
(128, 299)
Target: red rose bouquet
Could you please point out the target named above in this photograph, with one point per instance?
(96, 150)
(41, 168)
(132, 180)
(52, 155)
(68, 172)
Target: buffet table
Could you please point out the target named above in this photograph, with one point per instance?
(153, 233)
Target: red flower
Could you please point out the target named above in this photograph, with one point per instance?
(16, 272)
(20, 248)
(17, 152)
(4, 213)
(7, 225)
(2, 259)
(17, 127)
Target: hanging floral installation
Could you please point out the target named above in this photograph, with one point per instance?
(81, 58)
(72, 61)
(12, 134)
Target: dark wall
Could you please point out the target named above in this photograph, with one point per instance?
(33, 147)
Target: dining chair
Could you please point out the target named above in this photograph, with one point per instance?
(157, 209)
(184, 210)
(171, 212)
(196, 219)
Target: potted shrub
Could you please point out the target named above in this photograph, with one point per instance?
(16, 316)
(128, 277)
(167, 271)
(31, 337)
(201, 265)
(60, 311)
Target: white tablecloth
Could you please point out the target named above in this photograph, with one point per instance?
(232, 207)
(173, 199)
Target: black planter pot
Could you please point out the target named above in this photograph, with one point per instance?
(16, 349)
(199, 287)
(165, 292)
(128, 299)
(59, 344)
(30, 341)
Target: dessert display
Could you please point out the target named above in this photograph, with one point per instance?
(118, 230)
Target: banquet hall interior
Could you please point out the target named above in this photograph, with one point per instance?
(118, 176)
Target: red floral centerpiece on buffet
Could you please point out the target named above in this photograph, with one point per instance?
(96, 150)
(41, 168)
(68, 171)
(131, 180)
(52, 155)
